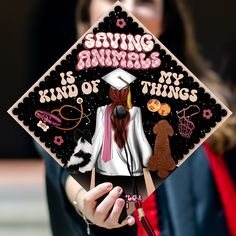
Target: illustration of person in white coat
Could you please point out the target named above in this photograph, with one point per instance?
(119, 145)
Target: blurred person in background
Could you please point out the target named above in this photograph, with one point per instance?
(192, 201)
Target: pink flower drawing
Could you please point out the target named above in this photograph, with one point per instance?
(120, 23)
(58, 140)
(207, 114)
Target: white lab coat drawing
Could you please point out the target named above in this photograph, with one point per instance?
(137, 147)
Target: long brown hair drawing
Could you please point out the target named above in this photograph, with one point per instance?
(119, 98)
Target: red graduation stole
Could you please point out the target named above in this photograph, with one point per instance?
(225, 186)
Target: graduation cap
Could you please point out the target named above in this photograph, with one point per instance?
(172, 114)
(120, 79)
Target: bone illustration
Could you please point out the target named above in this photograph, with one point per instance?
(162, 161)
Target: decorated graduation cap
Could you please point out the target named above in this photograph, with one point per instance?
(71, 110)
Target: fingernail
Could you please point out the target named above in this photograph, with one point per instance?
(119, 189)
(130, 220)
(109, 186)
(120, 203)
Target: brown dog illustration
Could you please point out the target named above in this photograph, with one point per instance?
(162, 161)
